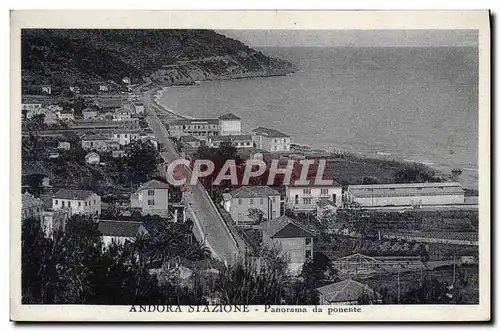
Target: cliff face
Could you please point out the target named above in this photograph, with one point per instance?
(83, 57)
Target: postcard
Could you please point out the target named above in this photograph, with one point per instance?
(273, 166)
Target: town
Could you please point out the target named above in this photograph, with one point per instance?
(125, 202)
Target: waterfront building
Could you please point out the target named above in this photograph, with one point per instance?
(78, 201)
(270, 140)
(239, 202)
(138, 107)
(230, 124)
(151, 198)
(414, 194)
(238, 141)
(292, 238)
(194, 127)
(125, 137)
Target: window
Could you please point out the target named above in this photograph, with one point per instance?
(307, 201)
(126, 136)
(274, 214)
(69, 204)
(251, 201)
(261, 201)
(79, 204)
(62, 203)
(151, 202)
(275, 141)
(296, 199)
(419, 188)
(57, 202)
(392, 189)
(324, 191)
(94, 202)
(274, 199)
(308, 254)
(239, 201)
(85, 203)
(308, 241)
(334, 198)
(307, 191)
(151, 193)
(275, 148)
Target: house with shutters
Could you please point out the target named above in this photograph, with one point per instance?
(151, 198)
(94, 142)
(78, 201)
(239, 203)
(230, 124)
(270, 140)
(292, 238)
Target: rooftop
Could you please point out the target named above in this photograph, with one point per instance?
(94, 137)
(381, 190)
(270, 132)
(195, 121)
(344, 291)
(154, 184)
(229, 116)
(253, 192)
(285, 227)
(119, 228)
(231, 137)
(72, 194)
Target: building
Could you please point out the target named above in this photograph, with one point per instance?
(239, 202)
(230, 124)
(122, 114)
(305, 197)
(79, 201)
(75, 89)
(46, 89)
(55, 220)
(89, 113)
(64, 145)
(346, 292)
(119, 232)
(194, 127)
(53, 154)
(126, 80)
(415, 194)
(124, 137)
(292, 238)
(151, 198)
(264, 198)
(30, 107)
(103, 87)
(191, 141)
(92, 158)
(94, 142)
(66, 115)
(238, 141)
(49, 117)
(271, 140)
(31, 207)
(138, 107)
(117, 153)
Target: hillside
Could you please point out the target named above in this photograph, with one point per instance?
(84, 57)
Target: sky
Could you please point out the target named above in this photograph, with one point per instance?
(359, 38)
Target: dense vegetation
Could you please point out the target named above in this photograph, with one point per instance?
(83, 57)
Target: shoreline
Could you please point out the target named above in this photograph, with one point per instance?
(441, 170)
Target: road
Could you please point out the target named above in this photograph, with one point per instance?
(210, 225)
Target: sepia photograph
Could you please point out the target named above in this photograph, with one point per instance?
(249, 170)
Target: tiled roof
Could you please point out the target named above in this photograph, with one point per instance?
(383, 190)
(284, 227)
(229, 116)
(119, 228)
(253, 192)
(344, 291)
(270, 132)
(72, 194)
(154, 184)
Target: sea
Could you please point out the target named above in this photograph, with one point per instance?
(409, 103)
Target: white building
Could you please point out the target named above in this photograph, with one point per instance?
(415, 194)
(230, 124)
(79, 201)
(151, 198)
(30, 108)
(126, 80)
(238, 141)
(194, 127)
(64, 145)
(122, 115)
(238, 203)
(138, 107)
(89, 113)
(119, 231)
(306, 197)
(92, 158)
(271, 140)
(68, 115)
(125, 137)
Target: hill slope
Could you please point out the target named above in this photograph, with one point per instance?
(66, 57)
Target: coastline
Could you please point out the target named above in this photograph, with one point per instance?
(442, 171)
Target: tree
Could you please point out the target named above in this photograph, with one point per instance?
(256, 215)
(141, 160)
(415, 173)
